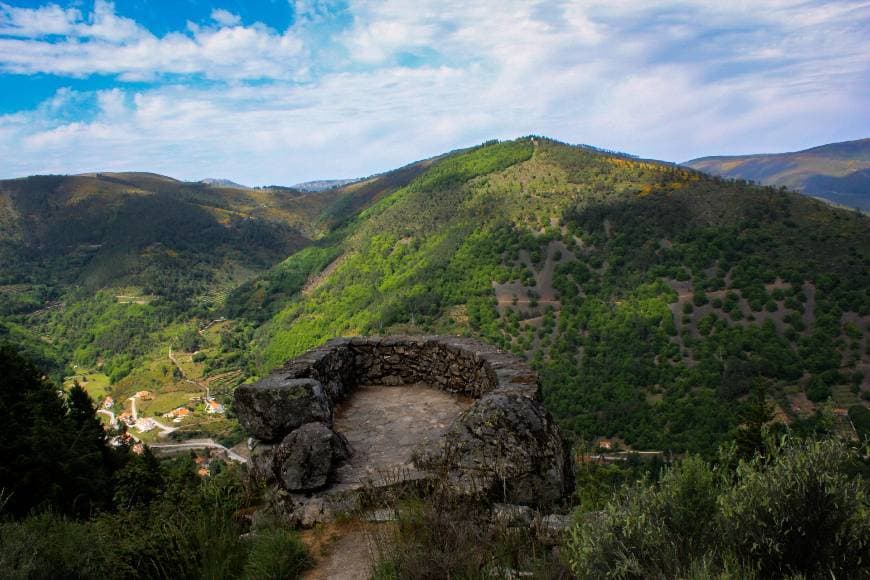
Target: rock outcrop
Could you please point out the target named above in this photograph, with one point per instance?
(306, 457)
(505, 446)
(275, 406)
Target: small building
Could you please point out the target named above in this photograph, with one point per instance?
(126, 417)
(145, 424)
(213, 407)
(108, 402)
(144, 395)
(177, 413)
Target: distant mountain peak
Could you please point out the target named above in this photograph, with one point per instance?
(218, 182)
(323, 184)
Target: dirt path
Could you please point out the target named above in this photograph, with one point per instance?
(349, 558)
(809, 307)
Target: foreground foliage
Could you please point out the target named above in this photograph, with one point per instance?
(797, 512)
(72, 507)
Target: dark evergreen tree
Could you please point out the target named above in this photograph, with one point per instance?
(89, 469)
(750, 436)
(32, 424)
(53, 452)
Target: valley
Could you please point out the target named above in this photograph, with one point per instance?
(649, 297)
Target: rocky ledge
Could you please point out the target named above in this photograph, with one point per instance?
(506, 446)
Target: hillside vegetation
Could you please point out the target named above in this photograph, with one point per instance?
(665, 309)
(839, 172)
(651, 297)
(104, 273)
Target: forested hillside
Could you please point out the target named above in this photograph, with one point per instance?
(651, 297)
(117, 280)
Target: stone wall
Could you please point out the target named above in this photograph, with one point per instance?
(505, 445)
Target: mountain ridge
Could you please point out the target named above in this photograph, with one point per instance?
(836, 172)
(649, 296)
(556, 251)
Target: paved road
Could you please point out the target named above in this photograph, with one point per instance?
(112, 421)
(193, 444)
(166, 429)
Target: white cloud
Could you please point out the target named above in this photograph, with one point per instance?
(225, 17)
(672, 81)
(104, 43)
(103, 24)
(42, 21)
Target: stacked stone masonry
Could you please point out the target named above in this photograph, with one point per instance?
(506, 445)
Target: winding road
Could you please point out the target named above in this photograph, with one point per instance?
(193, 444)
(113, 422)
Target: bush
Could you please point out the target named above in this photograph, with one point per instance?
(818, 390)
(800, 513)
(50, 546)
(442, 537)
(276, 554)
(649, 530)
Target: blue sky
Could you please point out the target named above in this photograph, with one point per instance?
(278, 91)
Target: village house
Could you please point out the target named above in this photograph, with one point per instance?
(213, 407)
(145, 424)
(177, 414)
(108, 403)
(126, 417)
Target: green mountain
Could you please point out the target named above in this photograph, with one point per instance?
(839, 172)
(650, 296)
(103, 276)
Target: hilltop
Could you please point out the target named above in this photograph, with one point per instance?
(323, 184)
(650, 297)
(838, 172)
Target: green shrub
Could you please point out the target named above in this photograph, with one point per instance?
(50, 546)
(799, 513)
(818, 390)
(649, 530)
(276, 554)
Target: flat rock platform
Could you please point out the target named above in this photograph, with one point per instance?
(385, 424)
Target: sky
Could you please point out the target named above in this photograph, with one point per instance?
(277, 92)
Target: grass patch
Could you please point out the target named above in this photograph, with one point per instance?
(96, 384)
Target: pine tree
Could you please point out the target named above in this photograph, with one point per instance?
(89, 474)
(750, 437)
(32, 417)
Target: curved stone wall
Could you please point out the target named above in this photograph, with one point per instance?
(505, 445)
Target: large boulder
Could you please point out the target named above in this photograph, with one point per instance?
(507, 447)
(275, 406)
(262, 464)
(306, 457)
